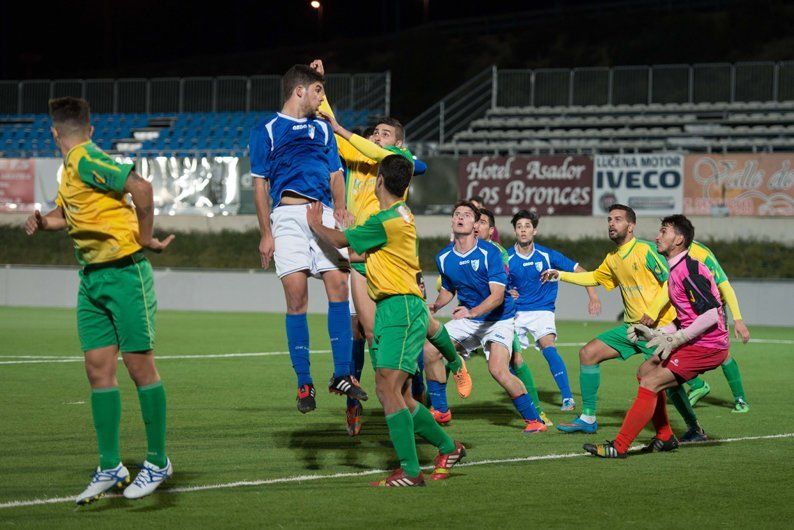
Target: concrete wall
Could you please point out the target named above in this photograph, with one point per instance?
(767, 302)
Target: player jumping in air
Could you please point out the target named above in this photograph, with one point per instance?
(640, 272)
(116, 302)
(730, 368)
(696, 343)
(535, 300)
(295, 161)
(361, 157)
(474, 270)
(388, 239)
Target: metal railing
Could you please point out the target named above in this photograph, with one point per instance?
(559, 87)
(368, 91)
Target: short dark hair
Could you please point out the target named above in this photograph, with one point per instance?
(476, 198)
(525, 214)
(299, 75)
(396, 171)
(470, 206)
(489, 214)
(630, 215)
(399, 130)
(682, 227)
(70, 114)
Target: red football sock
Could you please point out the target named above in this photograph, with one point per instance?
(660, 420)
(637, 417)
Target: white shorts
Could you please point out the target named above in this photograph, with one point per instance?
(535, 323)
(350, 303)
(473, 334)
(296, 246)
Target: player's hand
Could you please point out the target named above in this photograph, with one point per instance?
(266, 248)
(432, 308)
(550, 275)
(647, 321)
(35, 222)
(155, 245)
(330, 119)
(513, 293)
(343, 218)
(594, 306)
(460, 312)
(642, 332)
(317, 66)
(666, 343)
(314, 214)
(740, 331)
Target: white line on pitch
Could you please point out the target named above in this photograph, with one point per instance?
(76, 359)
(306, 478)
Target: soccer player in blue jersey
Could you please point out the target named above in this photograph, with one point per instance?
(294, 161)
(473, 269)
(535, 300)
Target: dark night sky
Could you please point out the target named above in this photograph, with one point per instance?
(47, 39)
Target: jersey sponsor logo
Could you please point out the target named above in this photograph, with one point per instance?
(300, 126)
(99, 179)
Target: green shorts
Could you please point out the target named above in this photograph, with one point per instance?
(116, 305)
(360, 268)
(616, 339)
(400, 333)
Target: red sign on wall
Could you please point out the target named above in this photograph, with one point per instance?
(17, 177)
(560, 185)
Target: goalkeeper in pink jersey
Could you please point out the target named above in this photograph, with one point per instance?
(696, 342)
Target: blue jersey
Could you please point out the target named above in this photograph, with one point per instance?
(296, 155)
(534, 295)
(470, 274)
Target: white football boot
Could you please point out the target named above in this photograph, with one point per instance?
(149, 479)
(102, 481)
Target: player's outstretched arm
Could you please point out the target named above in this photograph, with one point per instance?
(142, 197)
(314, 217)
(728, 296)
(594, 305)
(53, 221)
(444, 297)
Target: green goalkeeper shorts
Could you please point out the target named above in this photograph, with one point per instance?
(616, 339)
(400, 333)
(116, 305)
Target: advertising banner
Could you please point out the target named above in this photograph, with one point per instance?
(740, 185)
(651, 184)
(561, 185)
(17, 184)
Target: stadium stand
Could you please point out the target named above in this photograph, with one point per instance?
(692, 127)
(212, 133)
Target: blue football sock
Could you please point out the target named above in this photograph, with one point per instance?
(438, 395)
(558, 370)
(298, 342)
(525, 407)
(418, 381)
(357, 364)
(341, 337)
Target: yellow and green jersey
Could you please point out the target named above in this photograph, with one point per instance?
(640, 272)
(101, 222)
(389, 240)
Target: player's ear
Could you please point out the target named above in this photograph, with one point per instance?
(90, 131)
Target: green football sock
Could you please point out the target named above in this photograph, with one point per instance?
(679, 398)
(426, 427)
(589, 381)
(523, 372)
(106, 410)
(731, 370)
(401, 432)
(444, 344)
(696, 383)
(152, 398)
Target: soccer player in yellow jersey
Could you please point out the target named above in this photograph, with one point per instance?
(116, 303)
(637, 268)
(394, 282)
(361, 157)
(730, 368)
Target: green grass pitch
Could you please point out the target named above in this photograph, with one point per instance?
(232, 420)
